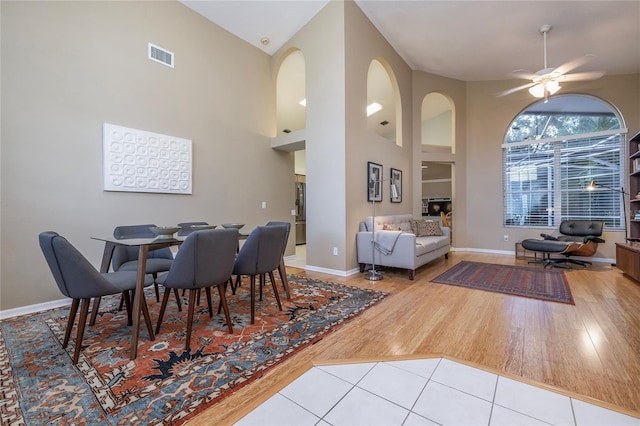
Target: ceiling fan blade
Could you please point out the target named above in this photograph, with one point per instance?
(581, 76)
(573, 64)
(515, 89)
(524, 74)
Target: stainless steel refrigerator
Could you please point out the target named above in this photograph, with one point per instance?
(301, 210)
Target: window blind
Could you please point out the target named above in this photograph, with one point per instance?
(545, 180)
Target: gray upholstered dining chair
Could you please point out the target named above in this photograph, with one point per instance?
(205, 260)
(126, 258)
(79, 280)
(282, 270)
(260, 255)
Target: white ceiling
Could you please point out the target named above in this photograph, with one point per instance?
(466, 40)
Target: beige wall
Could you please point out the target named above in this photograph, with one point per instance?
(68, 67)
(488, 117)
(364, 43)
(436, 190)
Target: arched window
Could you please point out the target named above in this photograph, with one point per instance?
(437, 123)
(290, 93)
(552, 151)
(384, 110)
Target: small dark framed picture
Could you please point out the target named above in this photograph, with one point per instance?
(374, 181)
(396, 186)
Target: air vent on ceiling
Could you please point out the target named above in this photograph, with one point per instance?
(158, 54)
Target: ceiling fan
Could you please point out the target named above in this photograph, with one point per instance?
(547, 81)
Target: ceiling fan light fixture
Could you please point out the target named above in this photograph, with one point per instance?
(547, 88)
(552, 86)
(545, 82)
(537, 90)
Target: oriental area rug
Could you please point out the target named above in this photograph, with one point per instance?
(536, 283)
(165, 384)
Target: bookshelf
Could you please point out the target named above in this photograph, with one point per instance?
(634, 187)
(628, 253)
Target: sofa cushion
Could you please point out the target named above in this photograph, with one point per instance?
(426, 245)
(425, 228)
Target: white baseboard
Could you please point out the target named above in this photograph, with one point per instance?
(31, 309)
(332, 271)
(512, 253)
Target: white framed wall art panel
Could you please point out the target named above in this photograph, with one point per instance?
(140, 161)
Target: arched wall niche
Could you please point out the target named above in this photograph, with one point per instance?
(291, 112)
(382, 91)
(437, 123)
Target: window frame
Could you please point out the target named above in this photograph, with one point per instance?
(557, 178)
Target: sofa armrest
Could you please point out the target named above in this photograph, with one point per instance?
(403, 249)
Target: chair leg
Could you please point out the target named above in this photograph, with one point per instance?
(155, 286)
(262, 279)
(94, 310)
(253, 298)
(575, 261)
(147, 318)
(175, 291)
(548, 261)
(192, 302)
(72, 317)
(165, 300)
(282, 270)
(208, 291)
(225, 307)
(275, 289)
(235, 286)
(228, 282)
(84, 312)
(127, 297)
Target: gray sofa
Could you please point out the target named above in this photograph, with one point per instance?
(399, 249)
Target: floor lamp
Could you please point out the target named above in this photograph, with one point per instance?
(372, 274)
(593, 184)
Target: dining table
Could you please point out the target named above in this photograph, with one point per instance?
(145, 245)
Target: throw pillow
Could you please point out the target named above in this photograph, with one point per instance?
(390, 227)
(415, 225)
(424, 228)
(433, 229)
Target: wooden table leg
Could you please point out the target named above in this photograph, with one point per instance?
(137, 300)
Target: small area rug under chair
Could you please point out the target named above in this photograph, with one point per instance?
(165, 384)
(536, 283)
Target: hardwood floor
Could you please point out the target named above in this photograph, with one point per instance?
(591, 349)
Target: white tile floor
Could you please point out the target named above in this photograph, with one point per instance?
(433, 391)
(299, 260)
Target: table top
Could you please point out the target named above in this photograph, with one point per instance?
(141, 241)
(149, 241)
